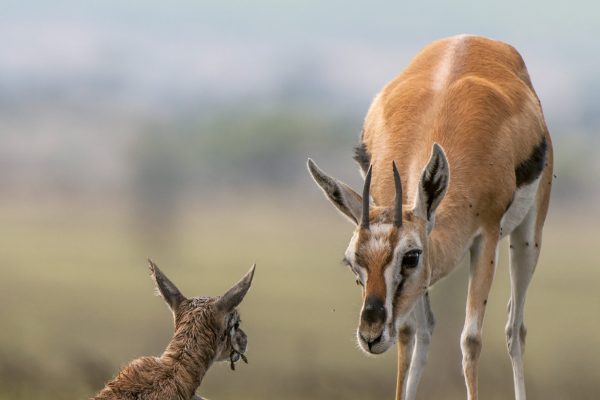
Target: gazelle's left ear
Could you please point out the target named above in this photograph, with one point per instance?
(433, 185)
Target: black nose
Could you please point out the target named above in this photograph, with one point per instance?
(374, 310)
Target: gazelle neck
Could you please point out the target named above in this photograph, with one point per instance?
(189, 358)
(448, 243)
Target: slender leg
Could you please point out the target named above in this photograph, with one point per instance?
(525, 242)
(406, 344)
(425, 322)
(483, 265)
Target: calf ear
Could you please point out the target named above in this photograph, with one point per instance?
(234, 296)
(165, 288)
(339, 194)
(433, 185)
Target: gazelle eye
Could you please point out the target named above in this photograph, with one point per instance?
(411, 259)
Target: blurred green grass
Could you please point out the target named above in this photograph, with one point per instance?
(77, 304)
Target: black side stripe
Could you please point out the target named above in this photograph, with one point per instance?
(531, 168)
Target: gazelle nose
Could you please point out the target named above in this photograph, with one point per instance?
(370, 341)
(374, 310)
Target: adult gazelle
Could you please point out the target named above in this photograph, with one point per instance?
(456, 155)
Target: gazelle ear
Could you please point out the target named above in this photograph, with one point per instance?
(433, 185)
(341, 195)
(165, 287)
(234, 296)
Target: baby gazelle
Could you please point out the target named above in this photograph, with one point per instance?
(206, 330)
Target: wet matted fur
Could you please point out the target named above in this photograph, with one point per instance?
(206, 330)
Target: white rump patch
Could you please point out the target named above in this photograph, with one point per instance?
(522, 202)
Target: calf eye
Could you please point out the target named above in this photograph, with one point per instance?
(237, 325)
(411, 259)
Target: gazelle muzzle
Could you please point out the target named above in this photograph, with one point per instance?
(372, 323)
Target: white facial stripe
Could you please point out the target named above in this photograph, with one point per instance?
(392, 273)
(392, 280)
(350, 255)
(351, 249)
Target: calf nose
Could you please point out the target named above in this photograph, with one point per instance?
(373, 311)
(240, 341)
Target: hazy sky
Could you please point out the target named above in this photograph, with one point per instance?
(78, 79)
(234, 48)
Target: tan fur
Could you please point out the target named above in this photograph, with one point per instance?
(206, 330)
(178, 372)
(487, 119)
(466, 130)
(473, 96)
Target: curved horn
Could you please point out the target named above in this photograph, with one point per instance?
(398, 203)
(366, 189)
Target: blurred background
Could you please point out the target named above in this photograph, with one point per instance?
(180, 131)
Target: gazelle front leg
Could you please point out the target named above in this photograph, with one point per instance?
(424, 319)
(413, 344)
(483, 265)
(406, 345)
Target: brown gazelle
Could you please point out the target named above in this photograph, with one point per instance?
(463, 127)
(206, 330)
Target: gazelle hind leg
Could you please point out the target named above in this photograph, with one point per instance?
(525, 242)
(425, 322)
(483, 265)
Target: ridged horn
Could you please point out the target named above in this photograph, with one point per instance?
(366, 190)
(398, 202)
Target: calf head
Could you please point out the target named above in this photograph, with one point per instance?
(207, 321)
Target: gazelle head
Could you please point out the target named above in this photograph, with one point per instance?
(207, 321)
(388, 251)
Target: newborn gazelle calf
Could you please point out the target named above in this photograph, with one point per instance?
(206, 330)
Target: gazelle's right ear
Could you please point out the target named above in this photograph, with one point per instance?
(341, 195)
(165, 287)
(433, 185)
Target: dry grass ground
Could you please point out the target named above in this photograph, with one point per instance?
(76, 304)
